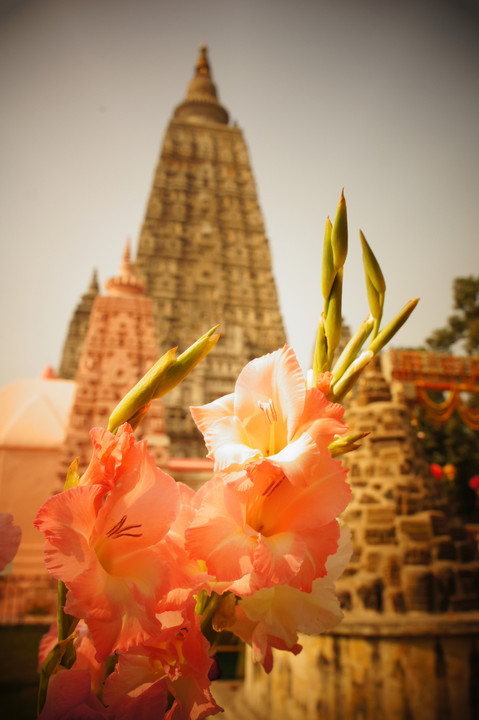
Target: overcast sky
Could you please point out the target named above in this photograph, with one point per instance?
(378, 96)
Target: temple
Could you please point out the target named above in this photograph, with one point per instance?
(409, 644)
(204, 256)
(119, 347)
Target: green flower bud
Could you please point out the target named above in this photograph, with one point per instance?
(371, 266)
(327, 271)
(320, 360)
(332, 316)
(392, 327)
(375, 284)
(339, 234)
(343, 386)
(352, 349)
(166, 374)
(343, 444)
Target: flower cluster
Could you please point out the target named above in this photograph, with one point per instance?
(153, 570)
(150, 573)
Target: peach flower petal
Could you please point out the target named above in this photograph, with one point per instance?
(10, 536)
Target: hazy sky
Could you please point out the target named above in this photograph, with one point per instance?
(378, 96)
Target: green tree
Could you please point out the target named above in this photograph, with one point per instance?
(454, 442)
(462, 327)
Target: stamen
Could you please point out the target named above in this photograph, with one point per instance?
(118, 530)
(274, 484)
(269, 410)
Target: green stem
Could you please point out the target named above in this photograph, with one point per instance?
(207, 616)
(64, 651)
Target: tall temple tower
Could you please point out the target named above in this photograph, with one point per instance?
(204, 256)
(119, 347)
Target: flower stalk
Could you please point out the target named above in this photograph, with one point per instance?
(348, 367)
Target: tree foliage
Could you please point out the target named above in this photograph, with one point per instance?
(454, 443)
(462, 327)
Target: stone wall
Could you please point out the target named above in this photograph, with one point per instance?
(414, 669)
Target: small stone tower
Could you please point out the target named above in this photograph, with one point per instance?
(408, 647)
(410, 553)
(77, 331)
(204, 255)
(119, 347)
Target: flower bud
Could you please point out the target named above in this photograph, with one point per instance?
(320, 360)
(333, 318)
(352, 348)
(344, 385)
(339, 234)
(343, 444)
(371, 266)
(392, 327)
(327, 271)
(166, 374)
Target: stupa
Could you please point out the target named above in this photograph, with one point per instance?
(204, 256)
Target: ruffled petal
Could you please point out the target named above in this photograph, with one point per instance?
(299, 460)
(206, 415)
(226, 550)
(277, 559)
(70, 698)
(229, 443)
(67, 520)
(310, 507)
(276, 377)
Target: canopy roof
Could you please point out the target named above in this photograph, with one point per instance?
(34, 412)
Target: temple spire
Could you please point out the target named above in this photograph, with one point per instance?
(126, 282)
(202, 65)
(201, 102)
(94, 287)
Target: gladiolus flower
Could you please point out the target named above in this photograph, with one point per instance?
(105, 545)
(70, 696)
(176, 659)
(272, 420)
(272, 617)
(85, 654)
(270, 534)
(275, 521)
(112, 456)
